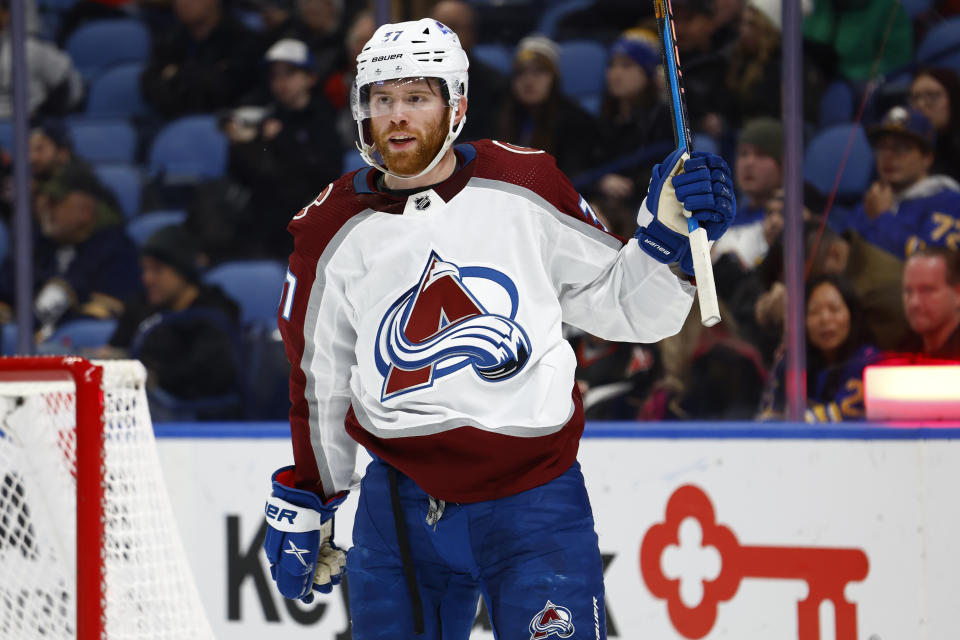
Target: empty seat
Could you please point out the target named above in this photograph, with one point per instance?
(99, 140)
(125, 183)
(836, 104)
(824, 154)
(191, 148)
(583, 65)
(255, 285)
(82, 333)
(498, 56)
(116, 92)
(141, 227)
(941, 45)
(98, 45)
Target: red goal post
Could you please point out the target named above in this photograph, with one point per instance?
(88, 542)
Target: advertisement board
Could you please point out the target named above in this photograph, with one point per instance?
(830, 538)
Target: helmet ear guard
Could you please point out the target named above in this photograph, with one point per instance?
(417, 49)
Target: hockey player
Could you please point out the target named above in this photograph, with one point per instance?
(422, 319)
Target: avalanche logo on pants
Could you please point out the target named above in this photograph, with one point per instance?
(439, 326)
(551, 620)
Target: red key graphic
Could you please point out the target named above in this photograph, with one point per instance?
(826, 571)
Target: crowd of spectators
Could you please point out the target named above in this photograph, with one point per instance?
(273, 78)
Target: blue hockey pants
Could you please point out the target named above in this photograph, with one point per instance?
(533, 556)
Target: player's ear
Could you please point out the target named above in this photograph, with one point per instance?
(461, 110)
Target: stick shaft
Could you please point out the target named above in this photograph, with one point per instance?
(699, 247)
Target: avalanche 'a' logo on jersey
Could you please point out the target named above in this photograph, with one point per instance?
(440, 326)
(550, 620)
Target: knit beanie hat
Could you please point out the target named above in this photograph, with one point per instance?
(539, 48)
(641, 45)
(177, 247)
(766, 134)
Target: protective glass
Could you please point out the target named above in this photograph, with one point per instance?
(400, 95)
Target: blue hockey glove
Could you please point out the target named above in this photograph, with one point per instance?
(299, 541)
(706, 190)
(698, 187)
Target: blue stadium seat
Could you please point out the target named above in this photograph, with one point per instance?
(191, 148)
(556, 12)
(824, 153)
(498, 56)
(255, 285)
(141, 227)
(103, 139)
(705, 142)
(116, 92)
(6, 135)
(77, 334)
(915, 7)
(124, 181)
(941, 45)
(836, 104)
(4, 241)
(98, 45)
(583, 66)
(8, 339)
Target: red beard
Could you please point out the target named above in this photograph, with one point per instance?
(411, 161)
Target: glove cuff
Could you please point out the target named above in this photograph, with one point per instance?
(662, 244)
(302, 498)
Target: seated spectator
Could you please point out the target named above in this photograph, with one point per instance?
(905, 208)
(854, 31)
(322, 25)
(183, 331)
(337, 86)
(931, 301)
(633, 118)
(54, 86)
(487, 85)
(536, 113)
(839, 346)
(84, 263)
(49, 153)
(614, 377)
(753, 75)
(291, 154)
(201, 66)
(936, 94)
(758, 173)
(704, 67)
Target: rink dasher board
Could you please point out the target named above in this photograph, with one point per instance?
(889, 492)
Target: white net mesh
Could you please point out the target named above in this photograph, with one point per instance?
(149, 591)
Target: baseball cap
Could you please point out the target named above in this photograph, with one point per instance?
(906, 123)
(641, 45)
(291, 51)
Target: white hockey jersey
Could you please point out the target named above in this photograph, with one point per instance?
(428, 328)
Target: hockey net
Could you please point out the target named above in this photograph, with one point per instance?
(89, 547)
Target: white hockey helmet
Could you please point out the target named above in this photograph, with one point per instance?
(418, 49)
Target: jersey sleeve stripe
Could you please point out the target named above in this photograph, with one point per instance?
(311, 327)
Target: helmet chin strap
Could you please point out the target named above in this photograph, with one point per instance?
(366, 150)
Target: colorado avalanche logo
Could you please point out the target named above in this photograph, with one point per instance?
(551, 620)
(439, 326)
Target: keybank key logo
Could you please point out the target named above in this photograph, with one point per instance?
(826, 571)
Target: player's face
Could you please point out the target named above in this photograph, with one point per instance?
(828, 319)
(929, 301)
(162, 283)
(409, 122)
(930, 98)
(900, 161)
(625, 78)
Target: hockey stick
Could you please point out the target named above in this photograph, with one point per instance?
(699, 249)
